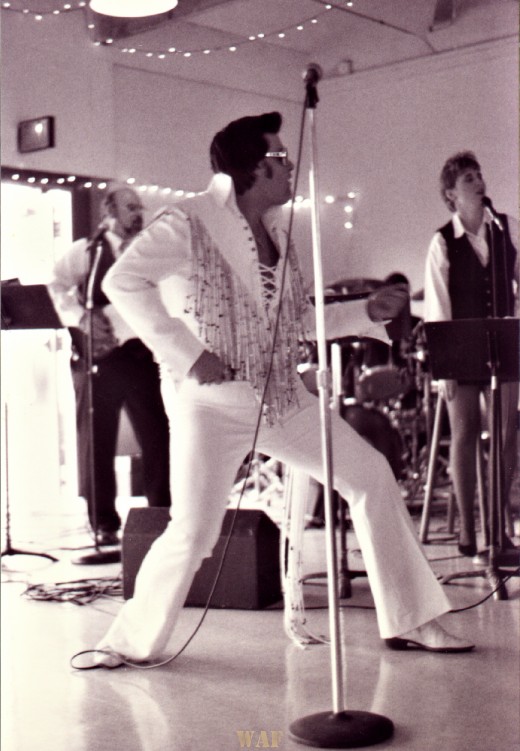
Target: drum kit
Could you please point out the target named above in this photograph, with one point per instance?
(385, 392)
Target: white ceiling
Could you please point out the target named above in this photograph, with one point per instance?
(346, 37)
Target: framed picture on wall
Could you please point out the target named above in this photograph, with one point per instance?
(36, 134)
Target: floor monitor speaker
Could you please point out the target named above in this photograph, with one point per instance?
(250, 577)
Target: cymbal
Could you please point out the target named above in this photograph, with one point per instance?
(418, 296)
(349, 286)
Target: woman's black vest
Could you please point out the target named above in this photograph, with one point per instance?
(470, 283)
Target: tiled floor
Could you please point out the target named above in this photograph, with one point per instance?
(242, 673)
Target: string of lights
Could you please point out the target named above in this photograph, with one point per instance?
(44, 180)
(162, 54)
(281, 33)
(48, 180)
(40, 14)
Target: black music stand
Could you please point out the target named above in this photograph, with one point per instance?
(485, 350)
(24, 307)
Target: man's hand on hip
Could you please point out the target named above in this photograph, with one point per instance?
(209, 368)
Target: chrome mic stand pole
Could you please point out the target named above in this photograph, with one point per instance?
(339, 728)
(99, 556)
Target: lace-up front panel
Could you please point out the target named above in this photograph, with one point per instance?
(268, 279)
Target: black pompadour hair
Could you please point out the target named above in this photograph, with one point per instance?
(238, 148)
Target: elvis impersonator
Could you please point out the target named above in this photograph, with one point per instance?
(200, 285)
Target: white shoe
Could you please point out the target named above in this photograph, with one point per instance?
(100, 657)
(431, 637)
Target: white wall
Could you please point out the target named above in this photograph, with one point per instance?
(164, 125)
(113, 118)
(388, 133)
(49, 68)
(385, 133)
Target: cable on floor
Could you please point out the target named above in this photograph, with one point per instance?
(85, 591)
(502, 582)
(78, 592)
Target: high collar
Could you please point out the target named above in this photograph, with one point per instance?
(222, 190)
(114, 239)
(116, 242)
(459, 230)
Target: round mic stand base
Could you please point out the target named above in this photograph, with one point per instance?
(348, 729)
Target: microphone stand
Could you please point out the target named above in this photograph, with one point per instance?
(339, 728)
(94, 249)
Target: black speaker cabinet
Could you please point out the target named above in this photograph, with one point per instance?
(250, 577)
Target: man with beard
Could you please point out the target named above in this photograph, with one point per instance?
(124, 373)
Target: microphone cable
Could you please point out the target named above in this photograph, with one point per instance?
(497, 588)
(150, 665)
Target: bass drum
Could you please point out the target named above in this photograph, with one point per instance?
(375, 427)
(381, 383)
(369, 422)
(380, 377)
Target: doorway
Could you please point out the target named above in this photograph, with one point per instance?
(38, 455)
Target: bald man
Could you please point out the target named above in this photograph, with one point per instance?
(124, 373)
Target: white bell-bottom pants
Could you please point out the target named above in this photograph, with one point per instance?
(212, 428)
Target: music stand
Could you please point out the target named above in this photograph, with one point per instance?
(24, 307)
(484, 350)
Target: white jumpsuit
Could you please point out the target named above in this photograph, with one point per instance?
(212, 428)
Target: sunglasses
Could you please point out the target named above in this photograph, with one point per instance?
(282, 156)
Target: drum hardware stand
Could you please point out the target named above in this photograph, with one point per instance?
(413, 481)
(418, 456)
(339, 728)
(415, 456)
(99, 556)
(488, 345)
(264, 479)
(23, 307)
(345, 575)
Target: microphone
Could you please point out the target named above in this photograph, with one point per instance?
(491, 211)
(312, 74)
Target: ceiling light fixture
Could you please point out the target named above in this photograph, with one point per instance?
(132, 8)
